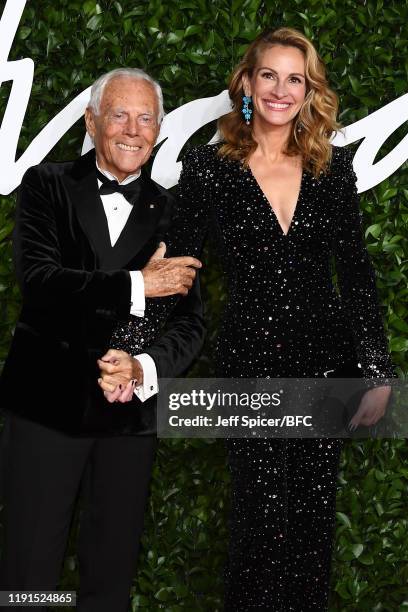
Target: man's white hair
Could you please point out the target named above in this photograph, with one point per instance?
(131, 73)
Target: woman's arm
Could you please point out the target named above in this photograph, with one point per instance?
(172, 330)
(182, 317)
(191, 218)
(356, 279)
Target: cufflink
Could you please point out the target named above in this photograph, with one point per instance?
(152, 205)
(151, 387)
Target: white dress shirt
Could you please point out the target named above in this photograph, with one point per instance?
(117, 210)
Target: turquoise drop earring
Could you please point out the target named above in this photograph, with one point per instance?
(246, 111)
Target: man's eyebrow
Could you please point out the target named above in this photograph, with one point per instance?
(272, 70)
(119, 109)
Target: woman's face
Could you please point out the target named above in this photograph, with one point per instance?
(277, 86)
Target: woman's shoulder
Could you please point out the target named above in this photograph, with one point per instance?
(340, 174)
(342, 158)
(205, 164)
(205, 153)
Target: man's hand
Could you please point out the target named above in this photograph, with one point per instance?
(120, 374)
(169, 276)
(372, 407)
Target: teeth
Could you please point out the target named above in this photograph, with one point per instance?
(125, 147)
(276, 105)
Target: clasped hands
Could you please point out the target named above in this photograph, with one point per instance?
(120, 372)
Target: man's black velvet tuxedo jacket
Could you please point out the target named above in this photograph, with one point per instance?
(75, 287)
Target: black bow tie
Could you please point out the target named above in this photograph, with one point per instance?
(130, 191)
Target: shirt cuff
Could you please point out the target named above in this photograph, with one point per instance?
(137, 294)
(150, 384)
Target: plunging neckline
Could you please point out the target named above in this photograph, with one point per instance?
(269, 204)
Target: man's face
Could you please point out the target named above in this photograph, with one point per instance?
(126, 128)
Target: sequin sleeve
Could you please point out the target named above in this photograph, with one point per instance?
(174, 322)
(192, 214)
(356, 278)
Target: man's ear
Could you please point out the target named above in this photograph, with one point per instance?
(90, 122)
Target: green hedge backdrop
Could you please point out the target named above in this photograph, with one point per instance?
(191, 47)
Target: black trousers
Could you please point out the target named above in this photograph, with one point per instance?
(281, 524)
(42, 472)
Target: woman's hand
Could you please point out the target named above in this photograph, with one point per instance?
(119, 375)
(121, 393)
(372, 407)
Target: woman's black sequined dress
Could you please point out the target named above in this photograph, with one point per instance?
(284, 318)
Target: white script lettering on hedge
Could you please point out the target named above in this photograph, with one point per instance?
(176, 129)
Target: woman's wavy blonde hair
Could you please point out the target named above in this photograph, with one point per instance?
(317, 117)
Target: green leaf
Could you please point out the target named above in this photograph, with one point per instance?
(24, 32)
(6, 230)
(89, 7)
(94, 22)
(164, 594)
(343, 519)
(118, 8)
(175, 37)
(399, 344)
(388, 194)
(357, 550)
(193, 29)
(366, 559)
(140, 601)
(374, 230)
(355, 83)
(380, 475)
(196, 58)
(80, 46)
(342, 590)
(399, 324)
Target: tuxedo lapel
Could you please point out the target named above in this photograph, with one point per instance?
(88, 205)
(141, 224)
(147, 214)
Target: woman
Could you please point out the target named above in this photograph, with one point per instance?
(280, 202)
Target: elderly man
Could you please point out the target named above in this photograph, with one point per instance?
(88, 251)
